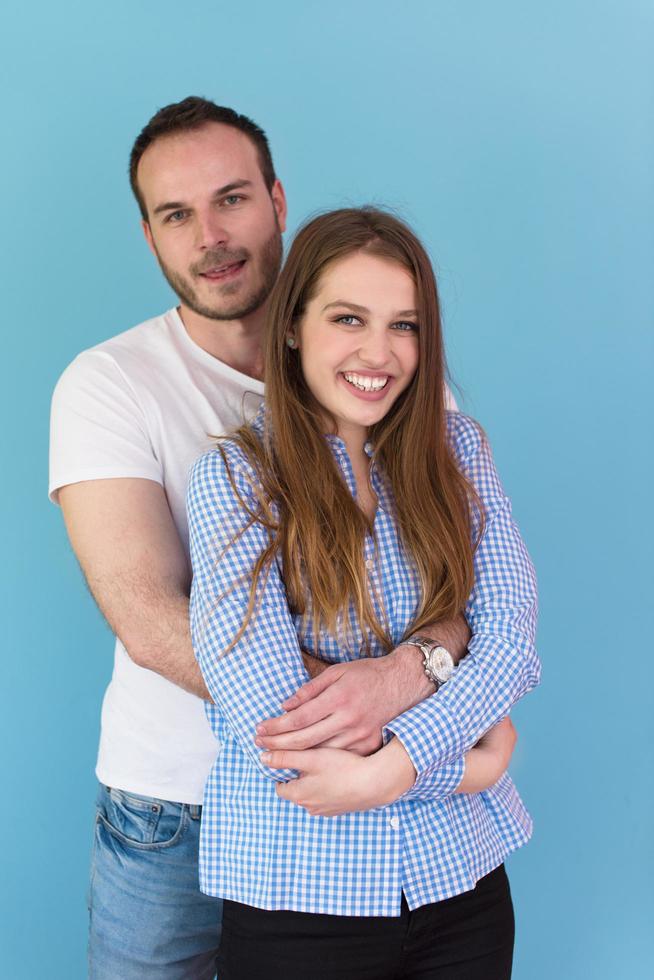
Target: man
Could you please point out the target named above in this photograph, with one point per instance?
(129, 417)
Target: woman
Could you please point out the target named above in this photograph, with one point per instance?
(353, 511)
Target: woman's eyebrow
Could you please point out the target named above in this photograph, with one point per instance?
(364, 309)
(346, 302)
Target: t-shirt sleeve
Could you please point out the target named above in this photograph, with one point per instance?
(98, 430)
(450, 400)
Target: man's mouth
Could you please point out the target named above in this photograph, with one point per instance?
(220, 272)
(366, 383)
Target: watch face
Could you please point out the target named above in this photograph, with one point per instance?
(442, 664)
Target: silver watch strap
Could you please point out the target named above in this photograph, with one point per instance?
(426, 645)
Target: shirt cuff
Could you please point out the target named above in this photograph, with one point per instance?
(430, 735)
(436, 783)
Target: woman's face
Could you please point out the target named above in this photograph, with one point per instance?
(358, 340)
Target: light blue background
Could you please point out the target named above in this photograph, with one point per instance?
(518, 138)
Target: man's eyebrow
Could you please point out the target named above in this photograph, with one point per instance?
(180, 205)
(234, 186)
(363, 309)
(169, 206)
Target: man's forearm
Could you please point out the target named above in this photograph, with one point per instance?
(314, 665)
(133, 560)
(453, 634)
(161, 641)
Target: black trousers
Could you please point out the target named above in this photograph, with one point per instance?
(468, 937)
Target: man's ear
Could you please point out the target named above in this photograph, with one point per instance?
(147, 232)
(279, 203)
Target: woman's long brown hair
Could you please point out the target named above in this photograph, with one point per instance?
(317, 527)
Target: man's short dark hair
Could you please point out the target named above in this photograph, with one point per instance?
(193, 113)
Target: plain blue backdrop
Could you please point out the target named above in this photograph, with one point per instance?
(517, 138)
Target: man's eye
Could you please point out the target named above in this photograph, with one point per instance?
(348, 319)
(233, 199)
(176, 216)
(405, 325)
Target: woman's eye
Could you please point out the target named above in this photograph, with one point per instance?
(348, 319)
(405, 325)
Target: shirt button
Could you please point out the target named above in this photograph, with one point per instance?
(370, 564)
(395, 823)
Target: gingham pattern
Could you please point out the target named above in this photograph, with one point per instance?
(263, 851)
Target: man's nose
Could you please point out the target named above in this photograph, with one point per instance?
(211, 231)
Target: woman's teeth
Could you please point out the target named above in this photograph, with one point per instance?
(366, 384)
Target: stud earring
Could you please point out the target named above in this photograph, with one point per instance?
(291, 342)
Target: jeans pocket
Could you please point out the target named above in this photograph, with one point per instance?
(141, 821)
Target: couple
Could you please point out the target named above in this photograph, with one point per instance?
(339, 522)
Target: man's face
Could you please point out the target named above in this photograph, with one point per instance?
(212, 224)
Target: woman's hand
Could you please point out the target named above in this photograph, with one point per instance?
(489, 759)
(335, 781)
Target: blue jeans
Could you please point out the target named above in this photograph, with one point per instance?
(148, 917)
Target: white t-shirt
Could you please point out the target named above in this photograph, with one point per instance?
(145, 404)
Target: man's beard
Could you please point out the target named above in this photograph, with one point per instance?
(270, 260)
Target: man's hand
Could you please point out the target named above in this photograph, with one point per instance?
(347, 705)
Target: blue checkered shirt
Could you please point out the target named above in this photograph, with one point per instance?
(431, 843)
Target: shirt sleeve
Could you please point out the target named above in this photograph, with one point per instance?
(436, 782)
(97, 426)
(264, 667)
(501, 665)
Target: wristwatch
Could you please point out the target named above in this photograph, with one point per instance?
(437, 661)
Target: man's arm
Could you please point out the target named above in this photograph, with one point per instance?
(126, 542)
(359, 697)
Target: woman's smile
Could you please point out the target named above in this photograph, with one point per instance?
(370, 387)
